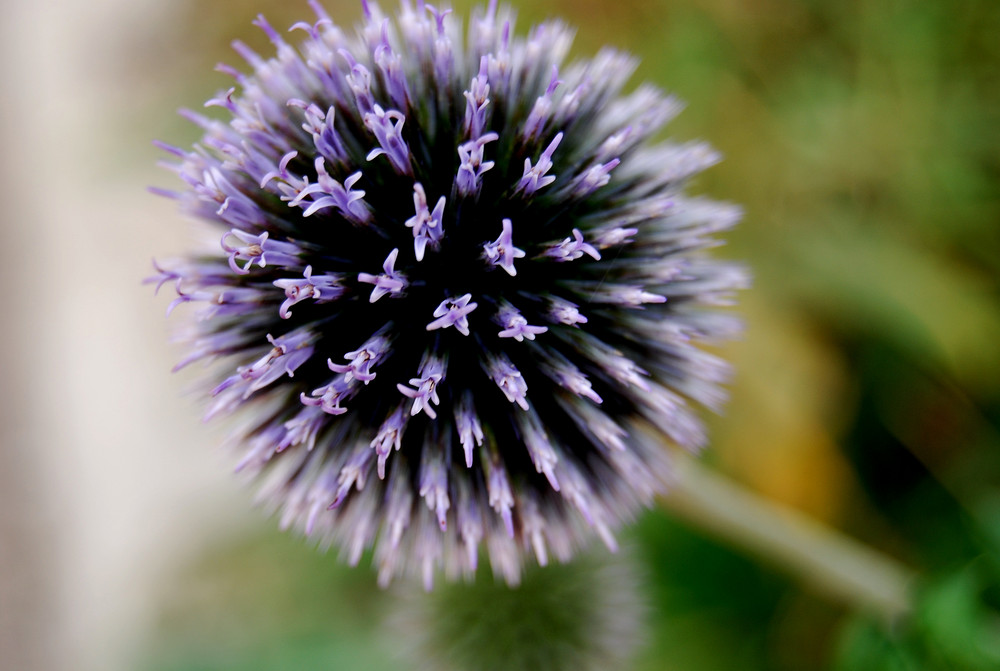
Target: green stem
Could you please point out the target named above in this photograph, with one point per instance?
(821, 557)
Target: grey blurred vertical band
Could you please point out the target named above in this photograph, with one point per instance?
(26, 596)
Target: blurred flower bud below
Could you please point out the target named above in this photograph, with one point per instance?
(586, 615)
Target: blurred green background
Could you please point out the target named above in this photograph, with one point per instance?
(863, 140)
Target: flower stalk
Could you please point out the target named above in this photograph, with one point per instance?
(819, 556)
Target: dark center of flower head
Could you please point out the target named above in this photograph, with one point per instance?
(457, 286)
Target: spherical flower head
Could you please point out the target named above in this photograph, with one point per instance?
(458, 287)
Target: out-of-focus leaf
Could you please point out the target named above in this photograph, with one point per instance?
(712, 606)
(952, 630)
(987, 515)
(273, 603)
(864, 646)
(961, 630)
(874, 285)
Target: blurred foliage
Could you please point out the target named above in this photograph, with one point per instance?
(956, 628)
(257, 605)
(274, 602)
(863, 139)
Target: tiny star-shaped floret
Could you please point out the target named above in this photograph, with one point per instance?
(502, 252)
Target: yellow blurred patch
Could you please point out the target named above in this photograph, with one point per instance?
(789, 400)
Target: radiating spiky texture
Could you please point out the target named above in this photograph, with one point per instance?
(589, 614)
(457, 286)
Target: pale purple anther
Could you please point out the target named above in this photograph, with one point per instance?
(234, 207)
(321, 288)
(501, 499)
(387, 127)
(533, 527)
(289, 185)
(434, 484)
(164, 193)
(477, 102)
(443, 56)
(617, 365)
(502, 252)
(164, 275)
(569, 377)
(483, 29)
(569, 104)
(614, 145)
(389, 437)
(509, 379)
(515, 325)
(577, 490)
(210, 345)
(668, 412)
(388, 282)
(360, 81)
(353, 474)
(470, 431)
(470, 522)
(391, 65)
(572, 249)
(260, 250)
(313, 29)
(363, 359)
(535, 177)
(631, 295)
(303, 428)
(428, 550)
(505, 556)
(291, 350)
(613, 237)
(416, 29)
(399, 500)
(261, 448)
(603, 429)
(542, 109)
(453, 312)
(500, 61)
(201, 281)
(472, 166)
(368, 30)
(424, 393)
(285, 51)
(224, 100)
(540, 450)
(221, 302)
(361, 522)
(282, 170)
(595, 177)
(320, 58)
(255, 120)
(328, 192)
(329, 396)
(427, 225)
(565, 312)
(320, 126)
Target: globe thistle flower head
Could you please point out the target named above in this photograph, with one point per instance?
(457, 288)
